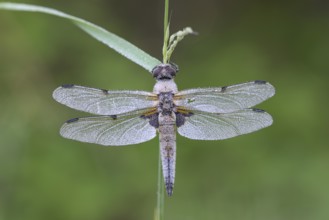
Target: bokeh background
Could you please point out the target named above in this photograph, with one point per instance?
(277, 173)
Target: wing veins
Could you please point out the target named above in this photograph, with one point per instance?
(225, 99)
(115, 125)
(204, 125)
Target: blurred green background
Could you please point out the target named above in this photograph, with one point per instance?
(277, 173)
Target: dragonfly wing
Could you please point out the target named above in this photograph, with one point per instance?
(225, 99)
(115, 130)
(217, 126)
(103, 102)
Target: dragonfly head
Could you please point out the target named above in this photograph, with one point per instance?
(165, 71)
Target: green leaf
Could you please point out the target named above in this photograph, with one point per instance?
(118, 44)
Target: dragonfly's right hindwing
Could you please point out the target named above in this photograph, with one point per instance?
(217, 126)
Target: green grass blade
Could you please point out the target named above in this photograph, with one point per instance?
(118, 44)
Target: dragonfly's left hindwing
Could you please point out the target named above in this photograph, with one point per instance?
(112, 130)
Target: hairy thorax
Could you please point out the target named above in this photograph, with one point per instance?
(165, 86)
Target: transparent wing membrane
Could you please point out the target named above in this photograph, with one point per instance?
(115, 130)
(103, 102)
(217, 126)
(225, 99)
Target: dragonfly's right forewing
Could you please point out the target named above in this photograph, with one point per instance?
(225, 99)
(103, 102)
(114, 130)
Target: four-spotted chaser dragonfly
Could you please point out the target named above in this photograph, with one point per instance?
(132, 117)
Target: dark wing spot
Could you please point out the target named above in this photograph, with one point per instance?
(114, 117)
(189, 114)
(72, 120)
(258, 110)
(260, 82)
(180, 118)
(67, 86)
(153, 119)
(223, 89)
(105, 91)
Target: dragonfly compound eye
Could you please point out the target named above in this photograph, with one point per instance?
(164, 72)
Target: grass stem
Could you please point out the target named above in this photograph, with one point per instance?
(165, 32)
(159, 210)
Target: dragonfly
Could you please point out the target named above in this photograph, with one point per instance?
(131, 117)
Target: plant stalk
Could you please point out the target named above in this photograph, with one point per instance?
(159, 210)
(165, 32)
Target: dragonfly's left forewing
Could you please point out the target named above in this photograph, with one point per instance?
(112, 130)
(102, 101)
(217, 126)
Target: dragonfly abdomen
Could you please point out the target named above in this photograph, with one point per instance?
(167, 137)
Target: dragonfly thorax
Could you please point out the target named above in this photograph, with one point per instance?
(166, 104)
